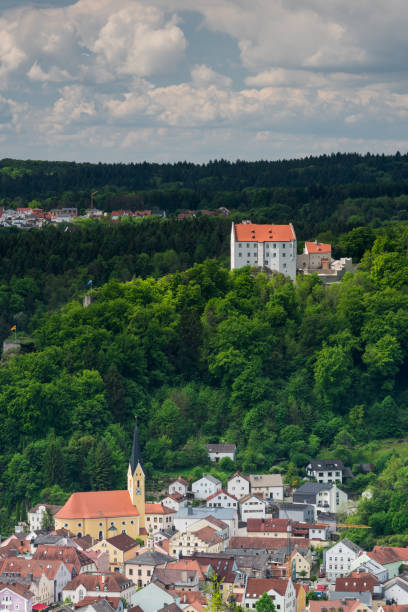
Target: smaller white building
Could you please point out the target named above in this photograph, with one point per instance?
(206, 486)
(216, 452)
(238, 485)
(222, 499)
(396, 590)
(252, 506)
(338, 559)
(269, 486)
(326, 471)
(281, 591)
(174, 501)
(179, 486)
(36, 515)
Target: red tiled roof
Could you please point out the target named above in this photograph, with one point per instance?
(113, 582)
(123, 542)
(181, 480)
(194, 598)
(98, 504)
(222, 492)
(19, 589)
(357, 583)
(258, 543)
(317, 247)
(257, 586)
(332, 605)
(396, 608)
(67, 554)
(251, 232)
(388, 554)
(240, 476)
(187, 564)
(91, 599)
(36, 567)
(158, 509)
(216, 522)
(208, 535)
(267, 525)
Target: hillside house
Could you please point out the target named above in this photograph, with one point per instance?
(268, 486)
(252, 506)
(37, 513)
(179, 486)
(206, 486)
(238, 485)
(221, 499)
(216, 452)
(327, 471)
(326, 497)
(337, 560)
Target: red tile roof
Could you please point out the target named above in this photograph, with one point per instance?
(257, 586)
(113, 582)
(123, 542)
(36, 567)
(187, 564)
(208, 535)
(67, 554)
(158, 509)
(317, 247)
(216, 522)
(267, 525)
(91, 599)
(259, 543)
(194, 598)
(98, 504)
(388, 554)
(359, 583)
(17, 588)
(251, 232)
(240, 476)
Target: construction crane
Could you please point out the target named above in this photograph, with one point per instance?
(344, 526)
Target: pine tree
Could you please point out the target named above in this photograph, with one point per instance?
(100, 467)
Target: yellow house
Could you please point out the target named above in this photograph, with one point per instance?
(121, 548)
(300, 597)
(297, 564)
(203, 540)
(103, 514)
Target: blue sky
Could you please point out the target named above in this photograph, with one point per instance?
(168, 80)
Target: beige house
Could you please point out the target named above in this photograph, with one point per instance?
(210, 521)
(141, 567)
(157, 517)
(297, 564)
(267, 485)
(205, 540)
(120, 548)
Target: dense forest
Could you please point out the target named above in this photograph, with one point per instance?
(286, 371)
(320, 194)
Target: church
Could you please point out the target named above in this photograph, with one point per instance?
(103, 514)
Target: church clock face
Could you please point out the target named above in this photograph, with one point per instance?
(138, 491)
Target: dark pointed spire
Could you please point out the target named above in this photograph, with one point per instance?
(135, 455)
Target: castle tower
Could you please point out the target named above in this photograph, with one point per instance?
(136, 478)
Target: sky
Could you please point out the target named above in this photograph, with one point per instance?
(169, 80)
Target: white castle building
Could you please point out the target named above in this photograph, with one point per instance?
(269, 246)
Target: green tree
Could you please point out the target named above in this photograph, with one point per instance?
(265, 604)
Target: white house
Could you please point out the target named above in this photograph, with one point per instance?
(396, 589)
(338, 559)
(174, 501)
(216, 452)
(36, 515)
(269, 486)
(325, 471)
(222, 499)
(179, 486)
(238, 485)
(252, 506)
(186, 517)
(270, 246)
(206, 486)
(326, 497)
(363, 562)
(282, 592)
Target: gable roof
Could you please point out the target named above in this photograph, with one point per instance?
(239, 475)
(257, 586)
(26, 567)
(317, 247)
(356, 583)
(216, 522)
(267, 543)
(122, 542)
(252, 232)
(351, 545)
(150, 557)
(98, 504)
(52, 508)
(222, 492)
(158, 509)
(17, 588)
(67, 554)
(113, 582)
(221, 448)
(210, 478)
(180, 480)
(388, 554)
(312, 488)
(208, 535)
(267, 525)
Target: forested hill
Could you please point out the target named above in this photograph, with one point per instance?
(319, 194)
(281, 369)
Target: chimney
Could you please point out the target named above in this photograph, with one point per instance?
(103, 578)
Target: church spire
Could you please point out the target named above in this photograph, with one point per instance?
(135, 455)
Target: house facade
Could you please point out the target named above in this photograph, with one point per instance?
(326, 497)
(112, 584)
(174, 501)
(120, 548)
(36, 515)
(281, 591)
(206, 540)
(271, 246)
(206, 486)
(179, 486)
(15, 598)
(221, 499)
(338, 559)
(140, 568)
(216, 452)
(325, 471)
(268, 486)
(252, 506)
(238, 485)
(157, 517)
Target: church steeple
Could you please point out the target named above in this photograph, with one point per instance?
(136, 477)
(135, 455)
